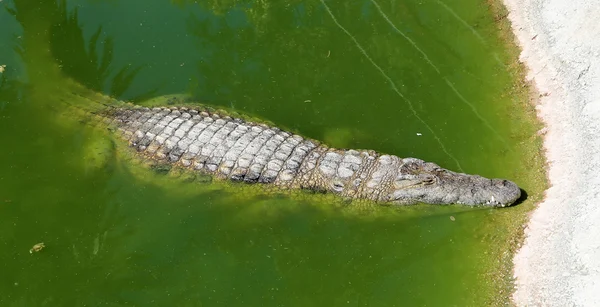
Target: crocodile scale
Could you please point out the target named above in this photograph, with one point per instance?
(234, 149)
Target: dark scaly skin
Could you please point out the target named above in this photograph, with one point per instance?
(233, 149)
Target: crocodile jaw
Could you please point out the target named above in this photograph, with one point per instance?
(489, 192)
(429, 183)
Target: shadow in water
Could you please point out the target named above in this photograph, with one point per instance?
(87, 63)
(521, 199)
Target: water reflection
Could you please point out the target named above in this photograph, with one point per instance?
(89, 63)
(253, 52)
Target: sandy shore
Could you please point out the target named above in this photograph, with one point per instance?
(559, 263)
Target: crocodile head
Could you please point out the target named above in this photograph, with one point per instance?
(420, 181)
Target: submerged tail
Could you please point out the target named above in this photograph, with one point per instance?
(76, 95)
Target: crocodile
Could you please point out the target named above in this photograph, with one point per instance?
(235, 148)
(232, 148)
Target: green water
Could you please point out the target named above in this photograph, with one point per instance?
(425, 79)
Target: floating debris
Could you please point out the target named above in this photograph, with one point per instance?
(452, 218)
(2, 68)
(36, 248)
(419, 134)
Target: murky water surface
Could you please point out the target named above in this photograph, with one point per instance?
(412, 78)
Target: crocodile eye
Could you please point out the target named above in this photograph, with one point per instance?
(338, 186)
(430, 180)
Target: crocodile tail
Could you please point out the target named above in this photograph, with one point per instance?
(78, 96)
